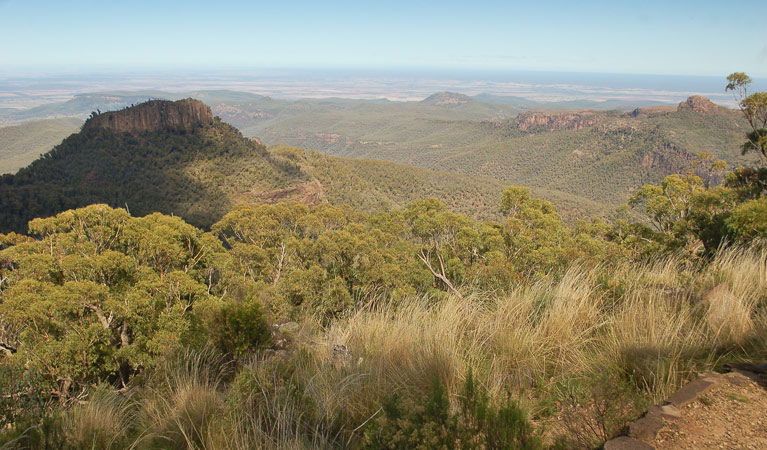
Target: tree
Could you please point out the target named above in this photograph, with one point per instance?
(101, 295)
(754, 108)
(437, 231)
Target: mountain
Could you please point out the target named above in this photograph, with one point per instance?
(597, 157)
(177, 158)
(588, 161)
(22, 144)
(446, 98)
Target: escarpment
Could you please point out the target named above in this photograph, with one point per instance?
(154, 115)
(552, 121)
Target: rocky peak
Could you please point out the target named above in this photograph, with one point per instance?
(699, 104)
(446, 98)
(550, 121)
(154, 115)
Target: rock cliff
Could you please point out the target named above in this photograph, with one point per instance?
(551, 121)
(154, 115)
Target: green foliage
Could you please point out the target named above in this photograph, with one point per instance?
(101, 295)
(597, 409)
(754, 108)
(316, 260)
(749, 220)
(239, 328)
(432, 425)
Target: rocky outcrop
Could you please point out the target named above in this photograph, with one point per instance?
(699, 104)
(310, 193)
(154, 115)
(667, 158)
(652, 111)
(446, 98)
(553, 121)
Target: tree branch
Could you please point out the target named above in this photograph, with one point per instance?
(423, 256)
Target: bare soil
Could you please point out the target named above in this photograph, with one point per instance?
(731, 415)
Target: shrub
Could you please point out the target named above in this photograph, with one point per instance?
(476, 423)
(238, 328)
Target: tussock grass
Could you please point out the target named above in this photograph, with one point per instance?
(668, 320)
(103, 422)
(583, 349)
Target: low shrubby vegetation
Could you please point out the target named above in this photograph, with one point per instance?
(289, 326)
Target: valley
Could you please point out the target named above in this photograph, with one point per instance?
(587, 161)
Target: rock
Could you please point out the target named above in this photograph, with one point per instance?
(154, 115)
(670, 411)
(667, 157)
(552, 121)
(691, 391)
(646, 428)
(699, 104)
(341, 351)
(311, 193)
(257, 140)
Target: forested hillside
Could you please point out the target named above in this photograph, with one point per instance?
(202, 169)
(588, 161)
(599, 156)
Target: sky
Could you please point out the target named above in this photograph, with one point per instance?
(650, 37)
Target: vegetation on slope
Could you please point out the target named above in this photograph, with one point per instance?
(417, 326)
(600, 162)
(201, 173)
(22, 144)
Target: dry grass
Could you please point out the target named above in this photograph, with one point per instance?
(104, 422)
(652, 326)
(669, 321)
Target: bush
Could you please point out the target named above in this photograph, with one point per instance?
(476, 424)
(239, 328)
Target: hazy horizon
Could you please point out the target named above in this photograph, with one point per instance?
(682, 37)
(27, 90)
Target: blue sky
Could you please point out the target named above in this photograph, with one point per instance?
(663, 37)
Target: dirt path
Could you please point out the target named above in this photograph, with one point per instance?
(730, 415)
(716, 411)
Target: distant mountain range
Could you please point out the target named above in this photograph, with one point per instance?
(587, 157)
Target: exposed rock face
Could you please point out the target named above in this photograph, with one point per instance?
(446, 98)
(699, 104)
(154, 115)
(652, 111)
(551, 121)
(668, 158)
(311, 193)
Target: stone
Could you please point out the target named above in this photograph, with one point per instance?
(691, 391)
(154, 115)
(559, 120)
(646, 428)
(290, 327)
(699, 104)
(670, 411)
